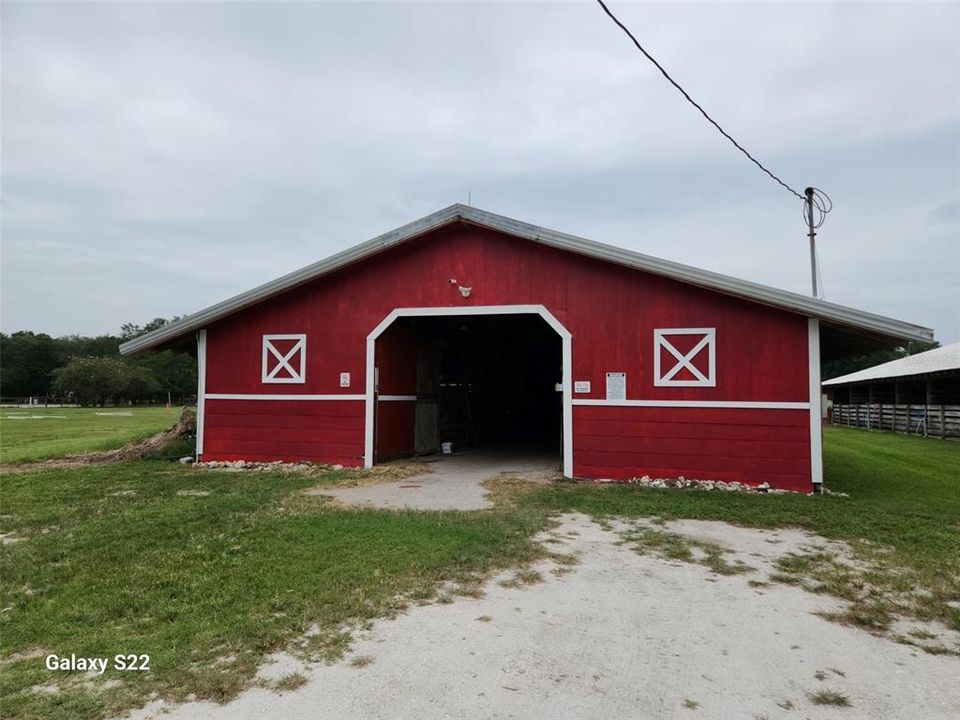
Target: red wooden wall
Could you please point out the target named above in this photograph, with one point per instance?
(761, 355)
(396, 356)
(264, 430)
(752, 446)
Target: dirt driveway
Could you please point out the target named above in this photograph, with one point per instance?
(618, 635)
(453, 483)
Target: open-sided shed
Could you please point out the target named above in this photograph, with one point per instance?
(914, 394)
(473, 328)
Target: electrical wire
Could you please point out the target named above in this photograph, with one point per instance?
(816, 203)
(815, 210)
(695, 104)
(822, 204)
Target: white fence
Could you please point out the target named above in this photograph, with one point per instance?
(28, 402)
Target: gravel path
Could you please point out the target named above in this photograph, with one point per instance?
(621, 635)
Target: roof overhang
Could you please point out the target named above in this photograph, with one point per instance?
(936, 363)
(871, 327)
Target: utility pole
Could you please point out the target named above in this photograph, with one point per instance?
(812, 234)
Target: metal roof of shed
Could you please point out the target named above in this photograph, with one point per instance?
(939, 359)
(801, 304)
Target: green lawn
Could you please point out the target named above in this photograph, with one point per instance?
(206, 571)
(116, 561)
(38, 433)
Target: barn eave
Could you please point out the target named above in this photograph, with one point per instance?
(846, 321)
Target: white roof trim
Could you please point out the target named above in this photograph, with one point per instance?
(936, 360)
(793, 302)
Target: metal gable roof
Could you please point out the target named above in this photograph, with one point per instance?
(941, 359)
(801, 304)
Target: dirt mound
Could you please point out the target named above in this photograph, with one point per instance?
(186, 425)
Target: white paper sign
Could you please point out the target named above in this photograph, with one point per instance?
(344, 379)
(581, 386)
(616, 386)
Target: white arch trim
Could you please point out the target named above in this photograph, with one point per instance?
(566, 378)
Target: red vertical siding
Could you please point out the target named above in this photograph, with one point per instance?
(396, 358)
(395, 429)
(750, 446)
(264, 431)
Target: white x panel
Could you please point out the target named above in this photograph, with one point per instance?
(284, 367)
(703, 377)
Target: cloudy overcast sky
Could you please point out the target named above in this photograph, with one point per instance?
(158, 158)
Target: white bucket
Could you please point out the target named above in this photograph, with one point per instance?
(447, 448)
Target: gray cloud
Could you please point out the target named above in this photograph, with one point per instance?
(946, 214)
(160, 157)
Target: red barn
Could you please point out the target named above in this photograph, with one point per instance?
(473, 328)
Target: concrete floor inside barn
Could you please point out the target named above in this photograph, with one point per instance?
(454, 481)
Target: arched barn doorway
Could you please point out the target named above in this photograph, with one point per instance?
(492, 380)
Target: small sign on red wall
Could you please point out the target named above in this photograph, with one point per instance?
(616, 386)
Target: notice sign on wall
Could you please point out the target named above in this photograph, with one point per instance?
(344, 379)
(581, 386)
(616, 386)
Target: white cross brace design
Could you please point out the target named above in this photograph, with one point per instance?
(685, 360)
(284, 360)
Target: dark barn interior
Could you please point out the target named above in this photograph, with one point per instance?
(492, 381)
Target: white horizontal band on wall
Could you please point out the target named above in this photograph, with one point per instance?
(228, 396)
(735, 404)
(742, 404)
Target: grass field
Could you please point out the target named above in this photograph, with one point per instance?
(39, 433)
(206, 571)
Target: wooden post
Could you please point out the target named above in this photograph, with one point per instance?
(896, 407)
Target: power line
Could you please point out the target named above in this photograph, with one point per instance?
(818, 205)
(694, 102)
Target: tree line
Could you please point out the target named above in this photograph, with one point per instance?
(91, 371)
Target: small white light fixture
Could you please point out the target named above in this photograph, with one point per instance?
(465, 291)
